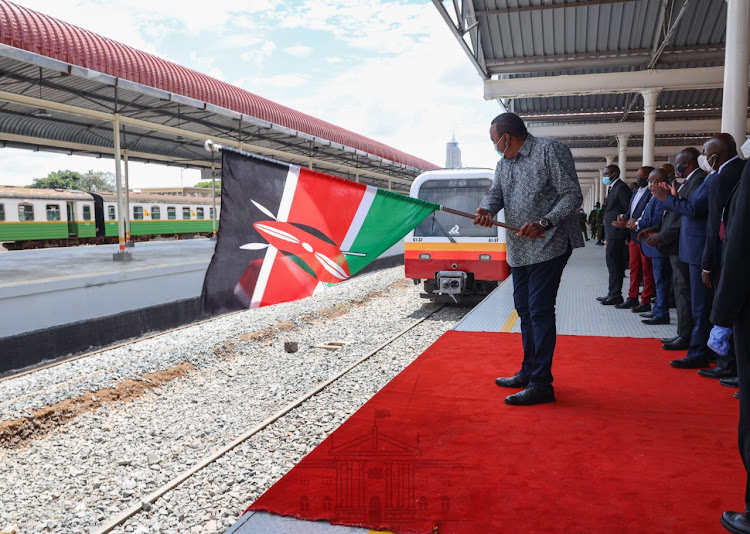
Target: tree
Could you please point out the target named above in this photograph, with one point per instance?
(98, 181)
(207, 185)
(90, 181)
(59, 180)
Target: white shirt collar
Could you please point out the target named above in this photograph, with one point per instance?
(737, 156)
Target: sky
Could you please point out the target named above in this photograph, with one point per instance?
(387, 69)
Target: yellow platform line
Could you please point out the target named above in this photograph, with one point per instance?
(379, 532)
(511, 322)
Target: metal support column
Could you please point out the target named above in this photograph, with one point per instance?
(213, 194)
(736, 60)
(121, 254)
(128, 242)
(650, 96)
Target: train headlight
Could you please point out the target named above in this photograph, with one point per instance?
(485, 257)
(424, 256)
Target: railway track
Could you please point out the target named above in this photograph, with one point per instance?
(155, 495)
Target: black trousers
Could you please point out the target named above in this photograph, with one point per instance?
(741, 330)
(617, 261)
(683, 302)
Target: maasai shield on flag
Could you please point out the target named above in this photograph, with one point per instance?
(286, 231)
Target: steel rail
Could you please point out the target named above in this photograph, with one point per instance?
(159, 492)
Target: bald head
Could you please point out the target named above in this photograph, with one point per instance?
(720, 149)
(657, 176)
(669, 168)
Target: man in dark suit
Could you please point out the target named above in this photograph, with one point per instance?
(640, 265)
(652, 219)
(731, 309)
(667, 239)
(721, 152)
(691, 243)
(618, 203)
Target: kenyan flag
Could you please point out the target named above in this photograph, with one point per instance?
(286, 232)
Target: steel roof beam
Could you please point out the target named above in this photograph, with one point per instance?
(542, 7)
(634, 58)
(603, 129)
(610, 82)
(659, 151)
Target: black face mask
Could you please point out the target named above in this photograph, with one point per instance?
(642, 182)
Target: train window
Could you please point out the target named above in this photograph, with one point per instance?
(463, 195)
(199, 212)
(53, 212)
(171, 213)
(86, 212)
(155, 213)
(185, 212)
(137, 213)
(210, 213)
(2, 211)
(111, 213)
(25, 212)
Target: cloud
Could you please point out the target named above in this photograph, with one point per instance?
(258, 54)
(299, 51)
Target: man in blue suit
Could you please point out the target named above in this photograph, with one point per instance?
(721, 152)
(691, 244)
(651, 221)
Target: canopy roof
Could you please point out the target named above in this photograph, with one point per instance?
(62, 87)
(567, 64)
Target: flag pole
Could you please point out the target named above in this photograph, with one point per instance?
(473, 216)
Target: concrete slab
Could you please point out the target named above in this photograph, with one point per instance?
(578, 312)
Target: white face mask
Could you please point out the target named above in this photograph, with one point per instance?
(745, 148)
(703, 164)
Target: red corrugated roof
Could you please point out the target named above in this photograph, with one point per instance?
(35, 32)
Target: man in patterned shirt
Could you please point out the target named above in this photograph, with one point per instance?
(536, 183)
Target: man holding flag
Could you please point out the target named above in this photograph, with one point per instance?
(536, 183)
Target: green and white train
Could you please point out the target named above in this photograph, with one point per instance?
(40, 218)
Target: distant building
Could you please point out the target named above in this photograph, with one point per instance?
(452, 154)
(181, 191)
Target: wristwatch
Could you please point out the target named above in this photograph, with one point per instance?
(546, 223)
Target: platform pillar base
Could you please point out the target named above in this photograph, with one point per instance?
(122, 256)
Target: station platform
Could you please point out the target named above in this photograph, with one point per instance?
(579, 315)
(54, 286)
(61, 301)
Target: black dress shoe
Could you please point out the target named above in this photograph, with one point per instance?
(736, 522)
(642, 308)
(515, 381)
(677, 344)
(602, 299)
(692, 362)
(628, 304)
(731, 382)
(669, 339)
(531, 395)
(717, 372)
(617, 299)
(649, 315)
(656, 320)
(736, 395)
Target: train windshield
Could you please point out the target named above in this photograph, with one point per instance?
(459, 194)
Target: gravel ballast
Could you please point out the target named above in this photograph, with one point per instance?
(84, 471)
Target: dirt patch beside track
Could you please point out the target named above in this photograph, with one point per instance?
(16, 432)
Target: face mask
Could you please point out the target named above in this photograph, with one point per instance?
(703, 164)
(642, 182)
(501, 152)
(745, 148)
(606, 180)
(681, 170)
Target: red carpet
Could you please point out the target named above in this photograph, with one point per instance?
(631, 445)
